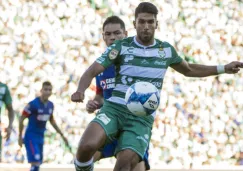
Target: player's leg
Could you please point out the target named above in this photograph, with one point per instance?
(98, 132)
(133, 142)
(140, 166)
(92, 139)
(33, 154)
(97, 156)
(126, 160)
(106, 152)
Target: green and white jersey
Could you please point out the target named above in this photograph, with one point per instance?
(5, 97)
(135, 62)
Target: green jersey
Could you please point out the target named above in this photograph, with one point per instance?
(135, 62)
(5, 97)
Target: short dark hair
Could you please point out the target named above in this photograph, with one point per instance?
(114, 20)
(46, 83)
(146, 7)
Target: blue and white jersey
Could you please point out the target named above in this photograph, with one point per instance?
(38, 114)
(105, 82)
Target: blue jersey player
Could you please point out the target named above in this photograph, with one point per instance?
(38, 112)
(113, 29)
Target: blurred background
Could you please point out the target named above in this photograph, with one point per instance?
(199, 122)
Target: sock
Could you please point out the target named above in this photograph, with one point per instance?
(34, 168)
(87, 166)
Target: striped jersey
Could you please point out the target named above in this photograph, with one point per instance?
(135, 62)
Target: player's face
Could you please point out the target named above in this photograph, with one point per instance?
(46, 92)
(145, 25)
(113, 32)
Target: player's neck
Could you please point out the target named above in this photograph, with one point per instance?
(142, 44)
(43, 100)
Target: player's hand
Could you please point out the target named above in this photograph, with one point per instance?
(233, 67)
(20, 141)
(77, 96)
(92, 105)
(8, 132)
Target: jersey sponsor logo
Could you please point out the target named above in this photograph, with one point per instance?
(160, 63)
(128, 58)
(43, 117)
(40, 110)
(156, 84)
(2, 90)
(107, 83)
(103, 118)
(126, 79)
(143, 139)
(113, 54)
(144, 62)
(130, 50)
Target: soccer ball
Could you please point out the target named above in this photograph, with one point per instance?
(142, 98)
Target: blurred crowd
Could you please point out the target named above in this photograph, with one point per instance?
(199, 122)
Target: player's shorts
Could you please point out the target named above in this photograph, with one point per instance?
(109, 151)
(34, 150)
(132, 132)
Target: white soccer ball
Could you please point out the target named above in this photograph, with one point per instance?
(142, 98)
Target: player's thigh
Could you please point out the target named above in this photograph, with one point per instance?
(33, 151)
(93, 137)
(126, 159)
(109, 120)
(136, 136)
(140, 166)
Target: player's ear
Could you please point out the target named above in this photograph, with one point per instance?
(134, 23)
(103, 35)
(126, 33)
(157, 23)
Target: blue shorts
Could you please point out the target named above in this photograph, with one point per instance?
(34, 150)
(109, 151)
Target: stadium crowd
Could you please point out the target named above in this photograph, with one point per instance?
(199, 121)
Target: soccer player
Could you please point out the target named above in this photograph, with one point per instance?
(113, 29)
(137, 58)
(38, 112)
(5, 98)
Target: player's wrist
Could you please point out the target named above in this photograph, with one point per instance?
(220, 69)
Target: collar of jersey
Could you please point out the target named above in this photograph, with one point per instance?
(138, 44)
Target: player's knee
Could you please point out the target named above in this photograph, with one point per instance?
(126, 160)
(86, 149)
(35, 167)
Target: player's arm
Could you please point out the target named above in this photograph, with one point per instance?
(106, 59)
(98, 100)
(25, 114)
(85, 81)
(53, 123)
(21, 127)
(8, 101)
(197, 70)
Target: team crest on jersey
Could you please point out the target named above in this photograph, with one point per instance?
(113, 54)
(161, 53)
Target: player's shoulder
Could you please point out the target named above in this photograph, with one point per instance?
(34, 101)
(163, 43)
(51, 103)
(126, 40)
(3, 85)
